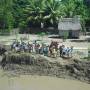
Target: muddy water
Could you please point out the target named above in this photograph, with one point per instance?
(27, 82)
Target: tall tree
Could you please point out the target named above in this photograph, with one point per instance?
(18, 7)
(74, 7)
(6, 17)
(35, 12)
(52, 12)
(43, 11)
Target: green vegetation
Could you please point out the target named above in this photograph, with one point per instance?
(31, 13)
(41, 35)
(6, 16)
(65, 36)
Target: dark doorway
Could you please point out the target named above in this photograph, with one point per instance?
(70, 34)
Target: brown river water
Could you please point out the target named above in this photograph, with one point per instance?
(29, 82)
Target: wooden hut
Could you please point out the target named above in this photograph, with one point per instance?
(70, 26)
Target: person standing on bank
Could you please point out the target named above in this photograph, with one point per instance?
(60, 50)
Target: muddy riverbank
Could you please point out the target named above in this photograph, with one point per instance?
(31, 64)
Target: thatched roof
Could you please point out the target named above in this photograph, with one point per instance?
(69, 24)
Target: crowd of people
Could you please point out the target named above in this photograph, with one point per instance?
(53, 50)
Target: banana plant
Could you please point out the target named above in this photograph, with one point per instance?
(35, 11)
(52, 11)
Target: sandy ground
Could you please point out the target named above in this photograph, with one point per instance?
(26, 82)
(46, 39)
(80, 46)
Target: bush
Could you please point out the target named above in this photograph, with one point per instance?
(5, 32)
(22, 26)
(65, 36)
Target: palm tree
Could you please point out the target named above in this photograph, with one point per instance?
(52, 12)
(35, 11)
(43, 11)
(73, 8)
(69, 7)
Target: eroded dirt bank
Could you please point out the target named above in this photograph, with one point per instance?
(39, 65)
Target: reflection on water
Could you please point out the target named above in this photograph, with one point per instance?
(28, 82)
